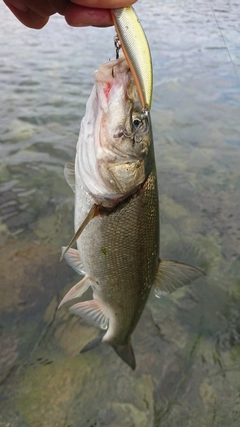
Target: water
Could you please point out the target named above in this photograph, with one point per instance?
(187, 345)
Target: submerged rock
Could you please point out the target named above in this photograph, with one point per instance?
(30, 276)
(73, 391)
(8, 353)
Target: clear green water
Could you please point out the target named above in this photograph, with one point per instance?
(187, 345)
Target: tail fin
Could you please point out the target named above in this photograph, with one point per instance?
(92, 344)
(126, 353)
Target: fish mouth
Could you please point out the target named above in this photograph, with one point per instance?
(107, 159)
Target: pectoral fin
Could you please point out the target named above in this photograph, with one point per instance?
(69, 173)
(93, 311)
(73, 259)
(172, 275)
(77, 290)
(91, 214)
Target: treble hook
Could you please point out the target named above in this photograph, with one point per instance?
(117, 44)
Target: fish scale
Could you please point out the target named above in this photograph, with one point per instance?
(124, 273)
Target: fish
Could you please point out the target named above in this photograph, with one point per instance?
(116, 217)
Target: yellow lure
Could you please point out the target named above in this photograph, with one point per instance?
(136, 50)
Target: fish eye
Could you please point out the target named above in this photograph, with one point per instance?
(137, 122)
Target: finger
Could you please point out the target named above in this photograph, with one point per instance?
(28, 17)
(78, 16)
(104, 4)
(18, 4)
(42, 8)
(59, 5)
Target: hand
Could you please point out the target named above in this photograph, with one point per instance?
(78, 13)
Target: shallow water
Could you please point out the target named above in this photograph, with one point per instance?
(187, 345)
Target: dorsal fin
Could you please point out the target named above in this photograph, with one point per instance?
(172, 275)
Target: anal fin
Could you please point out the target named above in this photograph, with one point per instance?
(93, 311)
(172, 275)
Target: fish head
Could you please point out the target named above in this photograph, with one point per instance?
(116, 135)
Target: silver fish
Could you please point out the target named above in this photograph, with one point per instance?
(117, 213)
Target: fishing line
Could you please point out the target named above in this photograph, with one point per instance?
(224, 42)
